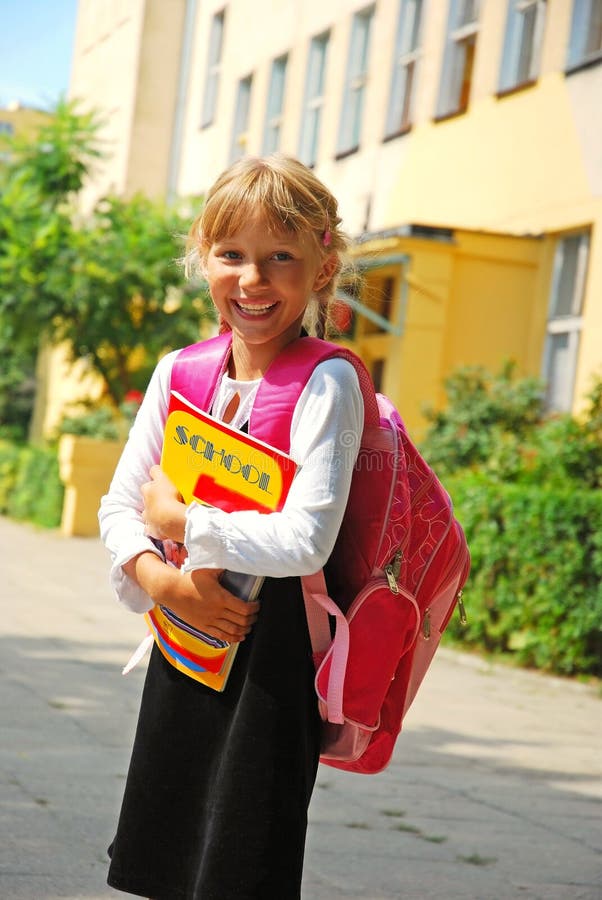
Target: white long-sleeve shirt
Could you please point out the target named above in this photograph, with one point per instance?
(325, 436)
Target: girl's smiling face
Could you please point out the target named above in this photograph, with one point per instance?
(261, 281)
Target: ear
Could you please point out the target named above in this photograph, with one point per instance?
(326, 272)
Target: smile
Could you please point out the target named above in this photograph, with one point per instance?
(254, 309)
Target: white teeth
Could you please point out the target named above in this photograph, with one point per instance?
(255, 309)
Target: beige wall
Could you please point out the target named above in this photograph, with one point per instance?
(104, 77)
(126, 65)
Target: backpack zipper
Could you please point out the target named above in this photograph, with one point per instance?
(426, 622)
(392, 571)
(395, 434)
(459, 602)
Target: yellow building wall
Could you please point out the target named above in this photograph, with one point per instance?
(472, 300)
(512, 164)
(492, 296)
(63, 387)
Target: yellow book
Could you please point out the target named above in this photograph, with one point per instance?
(213, 463)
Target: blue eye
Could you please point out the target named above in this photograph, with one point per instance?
(282, 256)
(231, 254)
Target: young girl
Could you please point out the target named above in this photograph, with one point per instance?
(219, 784)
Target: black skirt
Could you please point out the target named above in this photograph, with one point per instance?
(215, 804)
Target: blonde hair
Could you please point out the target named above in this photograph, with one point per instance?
(290, 198)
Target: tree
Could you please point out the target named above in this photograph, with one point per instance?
(37, 185)
(127, 301)
(108, 284)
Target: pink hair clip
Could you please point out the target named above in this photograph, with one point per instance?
(327, 238)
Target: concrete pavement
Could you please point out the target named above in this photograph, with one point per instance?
(494, 792)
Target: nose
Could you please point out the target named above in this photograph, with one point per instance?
(252, 276)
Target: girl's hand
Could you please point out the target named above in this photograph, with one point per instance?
(164, 510)
(197, 597)
(213, 609)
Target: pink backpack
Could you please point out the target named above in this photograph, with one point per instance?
(397, 569)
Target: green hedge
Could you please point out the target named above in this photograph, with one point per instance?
(30, 487)
(535, 589)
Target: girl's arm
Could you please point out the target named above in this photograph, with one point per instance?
(139, 575)
(197, 597)
(122, 527)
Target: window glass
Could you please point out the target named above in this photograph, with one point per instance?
(241, 118)
(273, 122)
(355, 84)
(522, 42)
(403, 79)
(560, 375)
(214, 55)
(314, 98)
(586, 32)
(458, 59)
(564, 321)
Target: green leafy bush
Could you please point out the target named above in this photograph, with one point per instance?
(535, 589)
(527, 490)
(104, 422)
(30, 486)
(9, 468)
(485, 416)
(98, 423)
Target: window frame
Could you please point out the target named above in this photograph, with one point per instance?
(577, 56)
(356, 79)
(274, 106)
(240, 122)
(459, 36)
(568, 323)
(510, 77)
(213, 70)
(403, 76)
(313, 101)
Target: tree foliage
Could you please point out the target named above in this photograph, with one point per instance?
(107, 283)
(39, 185)
(127, 301)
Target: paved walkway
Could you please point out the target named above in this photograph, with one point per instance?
(494, 792)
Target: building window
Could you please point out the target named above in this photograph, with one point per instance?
(522, 43)
(565, 321)
(458, 59)
(399, 113)
(314, 99)
(214, 58)
(586, 33)
(355, 83)
(238, 146)
(273, 118)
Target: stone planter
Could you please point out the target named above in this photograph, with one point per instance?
(86, 466)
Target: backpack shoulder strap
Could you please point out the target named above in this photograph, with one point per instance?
(198, 368)
(285, 380)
